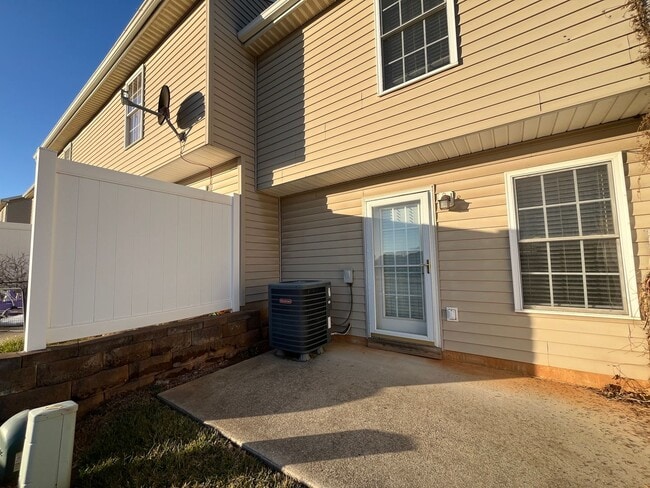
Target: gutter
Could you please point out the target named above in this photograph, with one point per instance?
(29, 193)
(10, 199)
(272, 14)
(138, 21)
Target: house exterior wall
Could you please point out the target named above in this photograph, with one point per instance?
(232, 126)
(319, 107)
(226, 181)
(17, 210)
(323, 233)
(232, 77)
(179, 62)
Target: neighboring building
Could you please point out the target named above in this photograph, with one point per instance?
(16, 209)
(477, 158)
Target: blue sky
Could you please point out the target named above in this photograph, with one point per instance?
(49, 50)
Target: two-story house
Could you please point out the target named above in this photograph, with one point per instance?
(16, 209)
(474, 163)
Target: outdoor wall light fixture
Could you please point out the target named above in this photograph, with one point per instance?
(446, 200)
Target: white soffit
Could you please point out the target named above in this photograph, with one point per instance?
(278, 21)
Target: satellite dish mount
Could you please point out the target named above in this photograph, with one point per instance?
(163, 109)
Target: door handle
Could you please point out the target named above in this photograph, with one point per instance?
(427, 266)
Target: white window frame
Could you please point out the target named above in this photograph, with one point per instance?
(67, 152)
(128, 111)
(618, 192)
(453, 49)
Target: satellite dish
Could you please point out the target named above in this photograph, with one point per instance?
(163, 104)
(163, 109)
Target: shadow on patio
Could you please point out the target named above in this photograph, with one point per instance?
(367, 418)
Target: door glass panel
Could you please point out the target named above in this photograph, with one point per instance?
(399, 271)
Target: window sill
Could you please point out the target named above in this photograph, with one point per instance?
(572, 313)
(415, 80)
(132, 144)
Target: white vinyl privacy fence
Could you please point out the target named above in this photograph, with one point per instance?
(14, 239)
(112, 251)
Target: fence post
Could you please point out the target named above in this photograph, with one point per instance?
(235, 268)
(40, 269)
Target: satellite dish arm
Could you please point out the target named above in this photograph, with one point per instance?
(181, 135)
(161, 112)
(128, 102)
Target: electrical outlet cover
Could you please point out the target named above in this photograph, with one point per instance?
(452, 314)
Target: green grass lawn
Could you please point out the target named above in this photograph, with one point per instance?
(12, 344)
(139, 441)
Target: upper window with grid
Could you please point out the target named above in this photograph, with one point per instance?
(568, 240)
(417, 38)
(134, 117)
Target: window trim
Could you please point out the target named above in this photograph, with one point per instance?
(138, 72)
(622, 215)
(450, 6)
(67, 149)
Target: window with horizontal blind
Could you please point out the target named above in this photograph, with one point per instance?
(133, 129)
(568, 241)
(416, 38)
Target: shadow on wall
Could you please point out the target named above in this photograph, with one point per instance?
(323, 234)
(474, 275)
(281, 107)
(191, 111)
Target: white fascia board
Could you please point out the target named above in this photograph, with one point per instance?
(267, 17)
(29, 193)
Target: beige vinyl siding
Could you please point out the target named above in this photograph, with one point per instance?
(262, 238)
(232, 127)
(318, 107)
(226, 182)
(322, 233)
(180, 62)
(232, 78)
(321, 236)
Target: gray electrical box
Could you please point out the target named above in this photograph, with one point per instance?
(49, 439)
(12, 437)
(348, 276)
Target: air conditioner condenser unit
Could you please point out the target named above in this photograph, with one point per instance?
(299, 316)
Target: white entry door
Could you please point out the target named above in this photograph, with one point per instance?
(399, 264)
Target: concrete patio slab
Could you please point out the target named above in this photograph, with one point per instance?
(359, 417)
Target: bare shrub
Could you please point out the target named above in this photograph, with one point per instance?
(14, 271)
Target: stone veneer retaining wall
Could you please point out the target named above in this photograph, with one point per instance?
(91, 371)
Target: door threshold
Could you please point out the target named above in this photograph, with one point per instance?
(405, 347)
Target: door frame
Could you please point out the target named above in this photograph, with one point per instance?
(434, 332)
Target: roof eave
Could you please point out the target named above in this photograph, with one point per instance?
(121, 45)
(278, 21)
